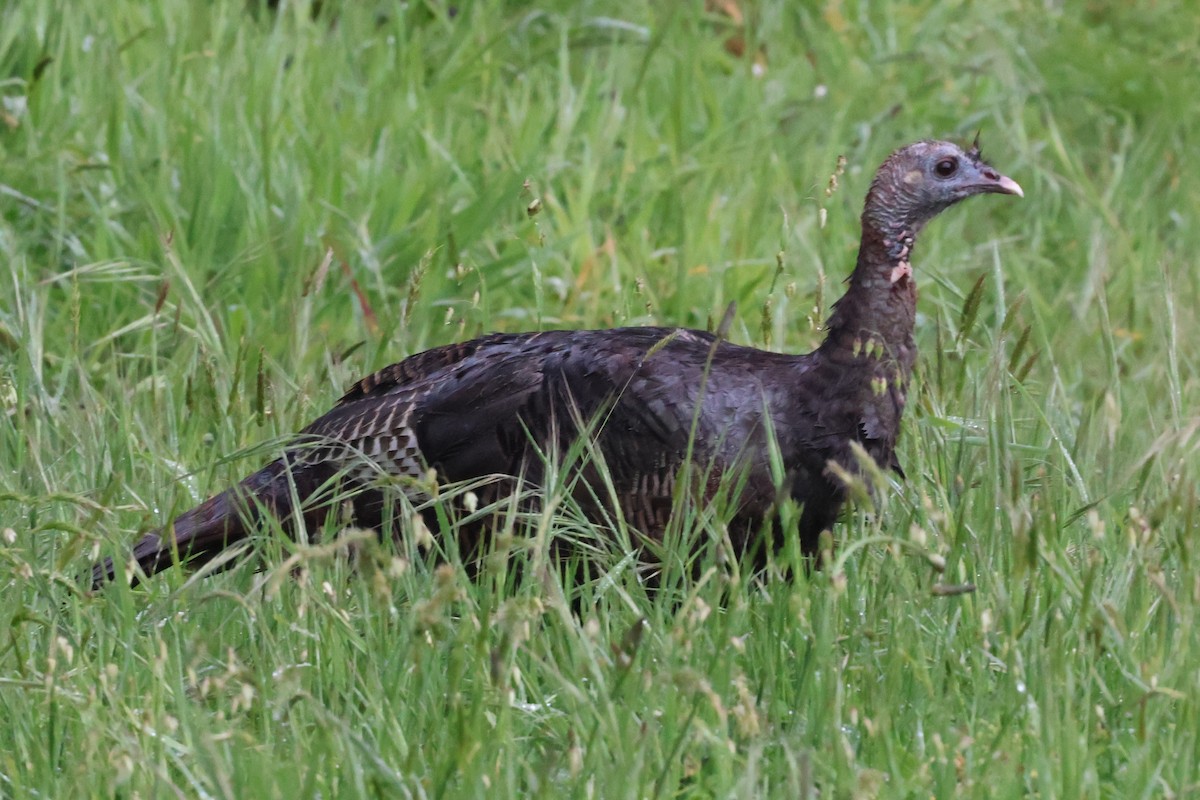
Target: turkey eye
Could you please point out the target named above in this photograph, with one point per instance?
(946, 167)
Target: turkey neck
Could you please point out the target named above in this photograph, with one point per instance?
(872, 323)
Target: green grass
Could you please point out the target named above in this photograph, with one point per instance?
(214, 217)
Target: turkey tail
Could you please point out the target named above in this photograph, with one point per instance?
(201, 534)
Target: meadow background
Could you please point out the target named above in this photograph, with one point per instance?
(215, 216)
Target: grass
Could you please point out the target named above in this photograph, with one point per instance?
(214, 218)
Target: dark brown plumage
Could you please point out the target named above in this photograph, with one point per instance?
(650, 398)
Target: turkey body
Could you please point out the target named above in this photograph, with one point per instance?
(649, 402)
(650, 399)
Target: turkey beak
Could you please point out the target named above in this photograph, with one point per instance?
(1006, 185)
(992, 181)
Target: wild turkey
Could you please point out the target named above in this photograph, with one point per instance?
(649, 399)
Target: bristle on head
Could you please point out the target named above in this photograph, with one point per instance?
(975, 154)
